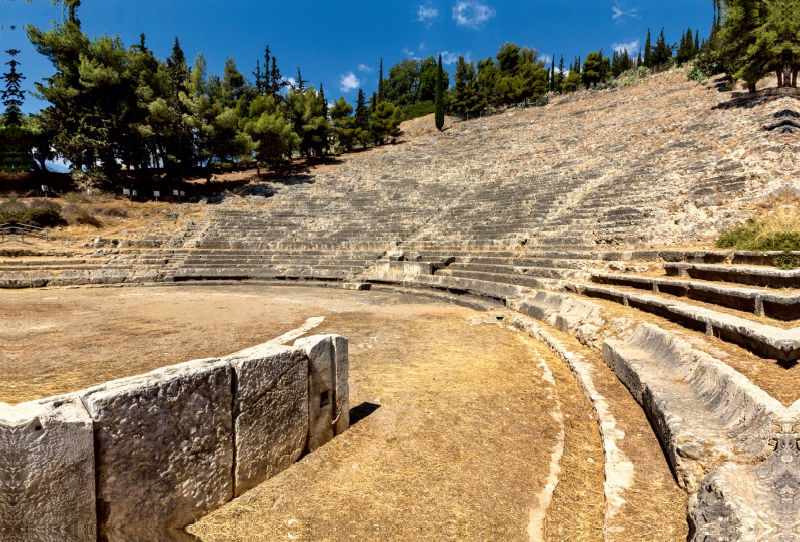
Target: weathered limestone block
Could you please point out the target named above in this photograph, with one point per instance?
(751, 502)
(47, 480)
(163, 450)
(704, 412)
(321, 355)
(270, 412)
(341, 392)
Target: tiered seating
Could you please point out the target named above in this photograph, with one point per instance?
(269, 264)
(710, 285)
(103, 267)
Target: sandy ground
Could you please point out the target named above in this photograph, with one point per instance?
(454, 422)
(457, 446)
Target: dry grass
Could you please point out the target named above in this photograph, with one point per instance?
(577, 510)
(655, 507)
(457, 450)
(776, 226)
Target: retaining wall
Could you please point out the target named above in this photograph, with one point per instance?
(139, 459)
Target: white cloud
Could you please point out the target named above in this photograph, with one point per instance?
(619, 13)
(472, 13)
(349, 82)
(291, 80)
(427, 13)
(449, 58)
(364, 68)
(632, 47)
(410, 54)
(547, 59)
(422, 46)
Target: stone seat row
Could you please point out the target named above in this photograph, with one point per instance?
(761, 302)
(753, 276)
(764, 340)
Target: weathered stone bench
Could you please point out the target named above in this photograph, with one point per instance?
(767, 341)
(752, 276)
(760, 302)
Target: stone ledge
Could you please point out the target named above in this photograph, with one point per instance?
(779, 306)
(751, 276)
(767, 341)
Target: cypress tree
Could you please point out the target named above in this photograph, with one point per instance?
(648, 51)
(553, 74)
(696, 42)
(381, 95)
(301, 84)
(276, 81)
(324, 102)
(440, 96)
(362, 113)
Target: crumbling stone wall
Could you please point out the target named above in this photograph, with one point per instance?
(140, 458)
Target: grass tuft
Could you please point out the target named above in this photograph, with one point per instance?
(775, 229)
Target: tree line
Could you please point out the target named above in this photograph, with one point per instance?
(751, 39)
(114, 108)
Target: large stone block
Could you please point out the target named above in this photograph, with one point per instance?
(320, 351)
(47, 491)
(270, 412)
(341, 392)
(163, 450)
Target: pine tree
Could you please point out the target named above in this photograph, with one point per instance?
(179, 149)
(301, 84)
(276, 81)
(662, 53)
(260, 84)
(560, 76)
(16, 140)
(439, 102)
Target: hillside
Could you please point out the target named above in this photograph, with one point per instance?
(650, 165)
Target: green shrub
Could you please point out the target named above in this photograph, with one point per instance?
(697, 74)
(44, 217)
(419, 109)
(786, 261)
(761, 236)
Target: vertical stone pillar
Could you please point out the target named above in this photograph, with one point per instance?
(341, 390)
(320, 351)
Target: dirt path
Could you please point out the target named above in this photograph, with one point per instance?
(457, 447)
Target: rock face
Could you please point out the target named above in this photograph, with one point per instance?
(47, 473)
(164, 449)
(270, 412)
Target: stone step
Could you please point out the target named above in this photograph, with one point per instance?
(751, 276)
(767, 341)
(774, 305)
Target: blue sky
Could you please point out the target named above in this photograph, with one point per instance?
(340, 43)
